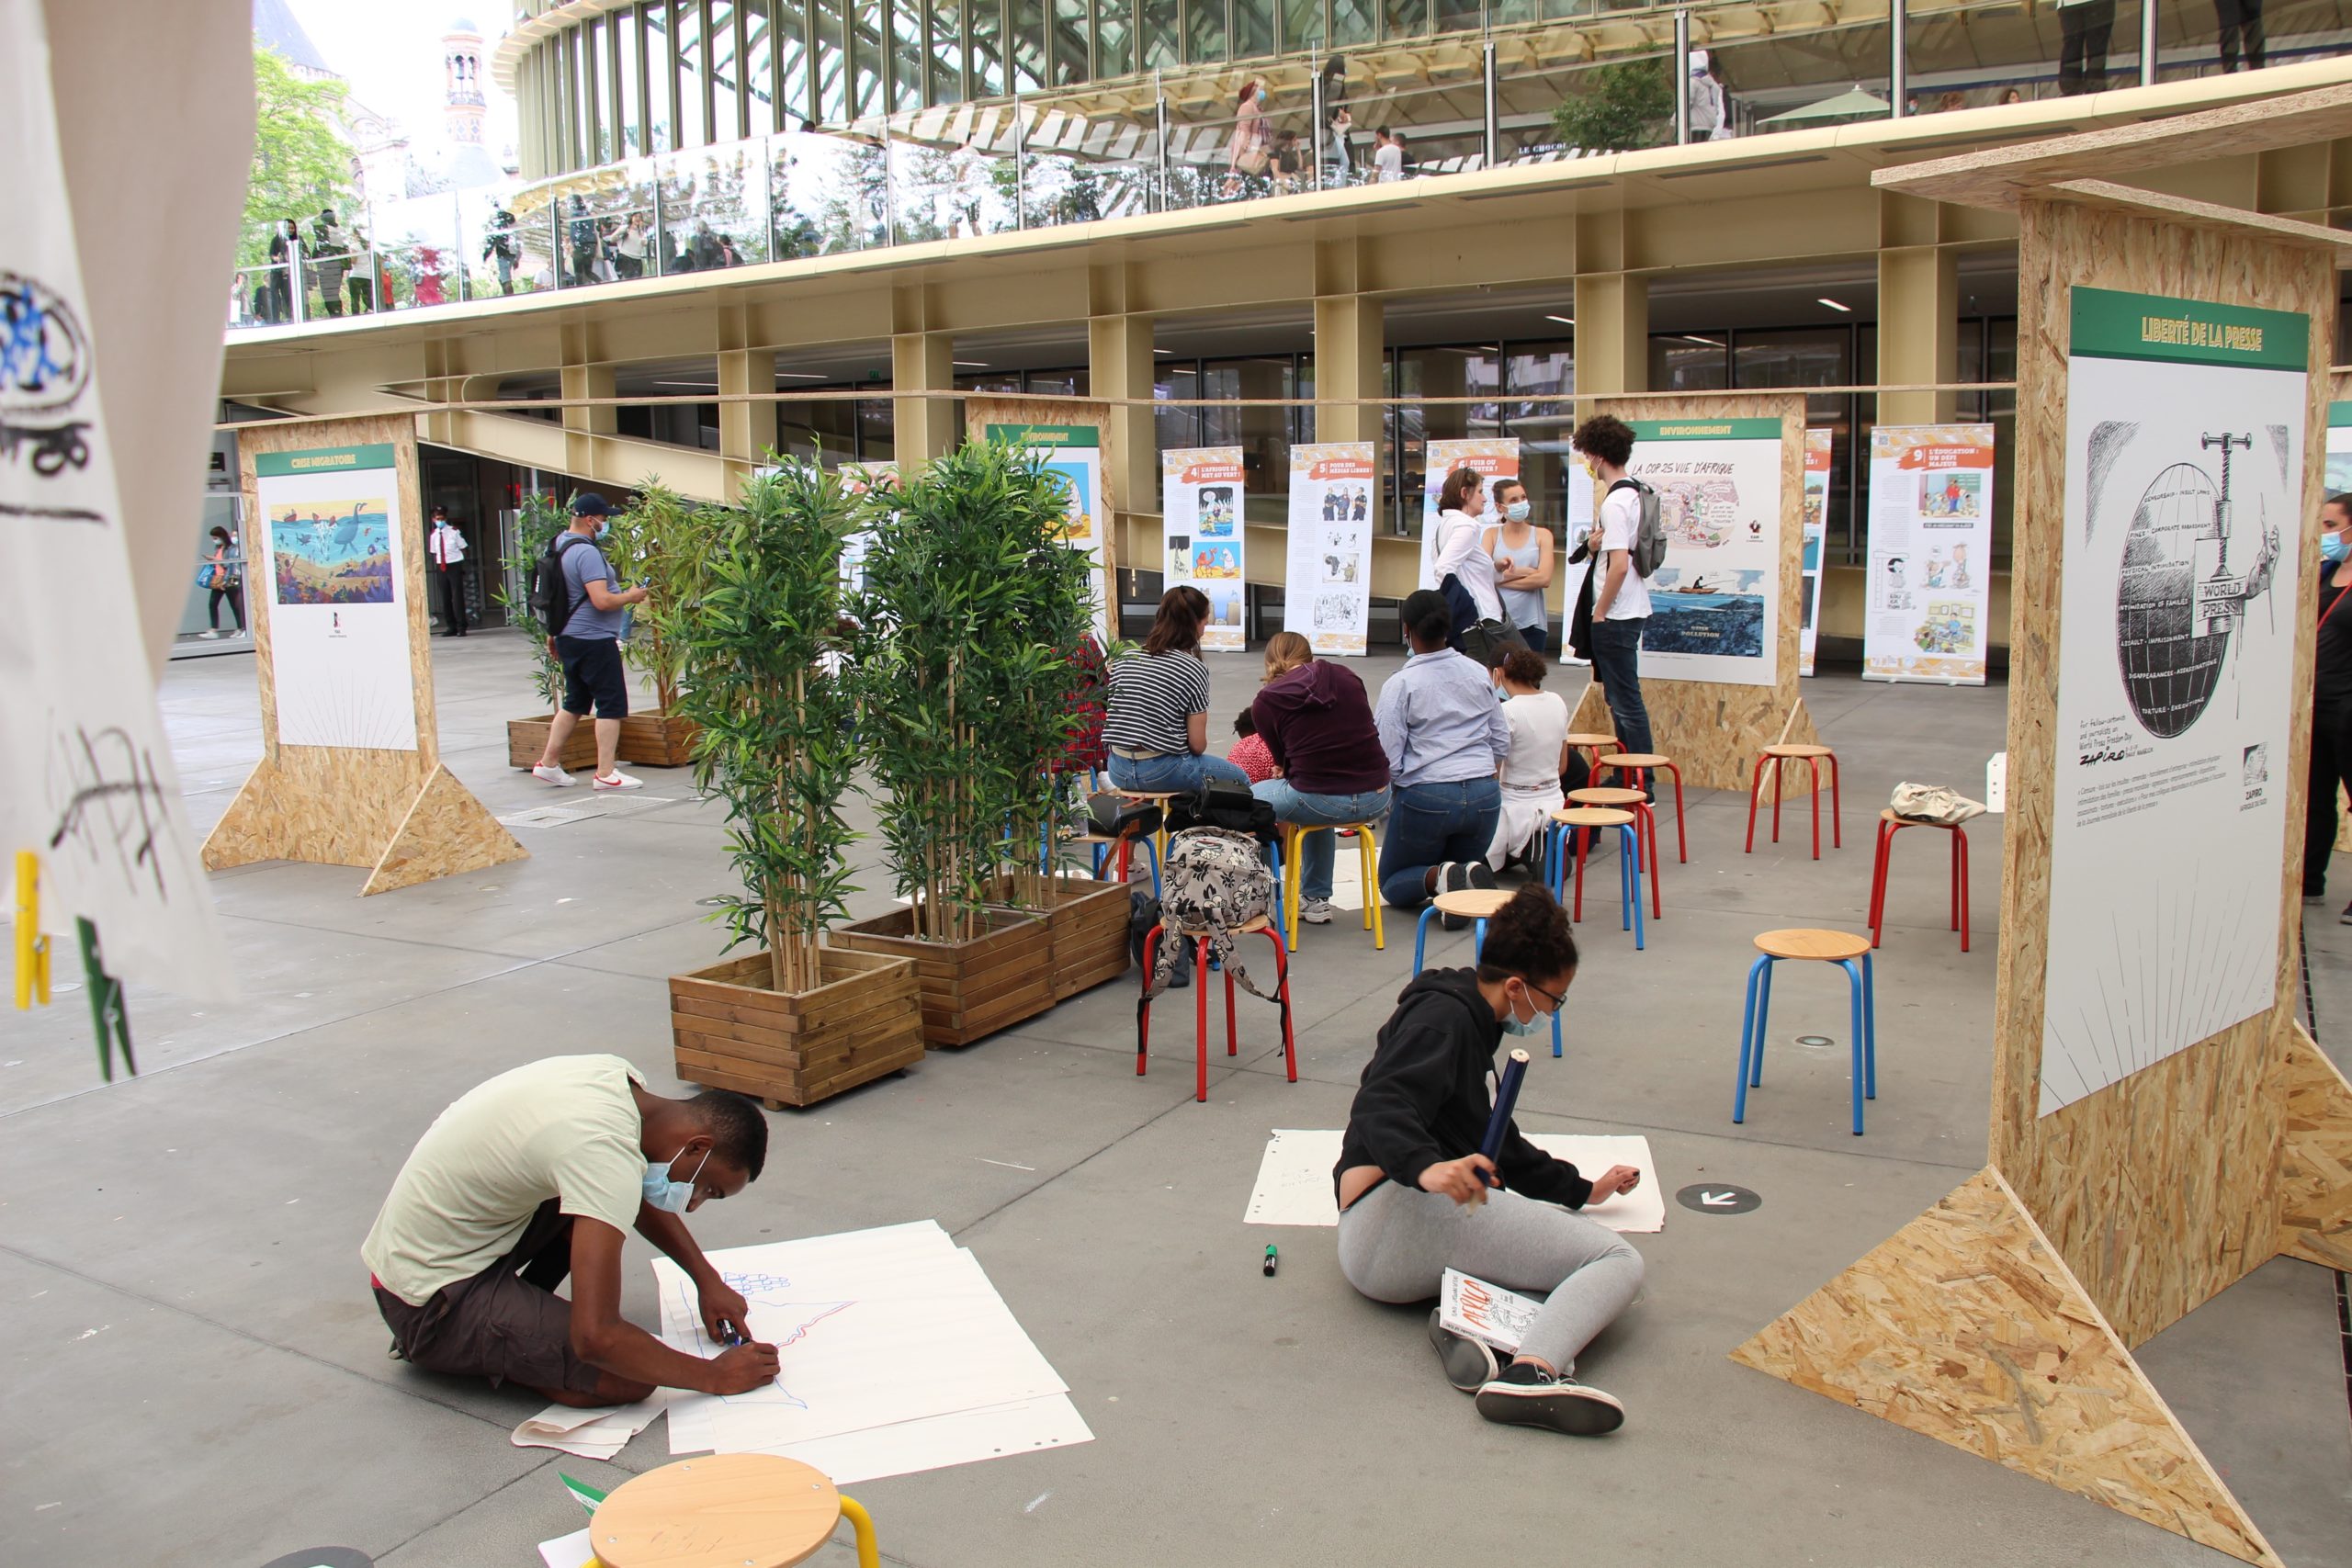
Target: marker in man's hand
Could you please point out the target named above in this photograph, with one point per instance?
(729, 1336)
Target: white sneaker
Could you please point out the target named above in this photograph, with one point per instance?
(555, 776)
(1579, 663)
(209, 635)
(1315, 911)
(618, 780)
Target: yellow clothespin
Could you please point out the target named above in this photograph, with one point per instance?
(32, 947)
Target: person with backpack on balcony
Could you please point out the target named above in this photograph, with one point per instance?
(1620, 604)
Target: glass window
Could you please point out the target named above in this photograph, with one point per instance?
(1204, 31)
(944, 53)
(1177, 428)
(1162, 28)
(759, 65)
(1114, 38)
(1061, 383)
(1028, 45)
(906, 54)
(1449, 372)
(1545, 461)
(867, 62)
(789, 63)
(686, 19)
(1069, 41)
(1405, 18)
(823, 432)
(1352, 22)
(877, 429)
(726, 73)
(1455, 16)
(825, 25)
(985, 77)
(595, 81)
(1253, 28)
(1262, 433)
(1690, 362)
(630, 126)
(1821, 357)
(1302, 24)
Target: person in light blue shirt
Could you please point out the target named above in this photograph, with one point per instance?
(1446, 738)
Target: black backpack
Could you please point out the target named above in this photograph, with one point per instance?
(1222, 803)
(551, 599)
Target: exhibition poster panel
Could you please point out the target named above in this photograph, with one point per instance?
(2184, 452)
(1715, 601)
(1327, 590)
(1073, 454)
(1201, 509)
(333, 564)
(1493, 457)
(1816, 522)
(1931, 548)
(2339, 449)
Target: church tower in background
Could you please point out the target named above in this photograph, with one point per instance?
(461, 68)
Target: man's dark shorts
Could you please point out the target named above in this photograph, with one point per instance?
(500, 1324)
(592, 671)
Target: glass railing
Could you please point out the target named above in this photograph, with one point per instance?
(1449, 105)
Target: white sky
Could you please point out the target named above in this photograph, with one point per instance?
(390, 54)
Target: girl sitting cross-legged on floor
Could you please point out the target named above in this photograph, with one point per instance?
(1413, 1203)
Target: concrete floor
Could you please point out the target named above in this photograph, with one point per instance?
(197, 1374)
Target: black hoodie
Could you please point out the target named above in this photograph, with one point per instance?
(1423, 1099)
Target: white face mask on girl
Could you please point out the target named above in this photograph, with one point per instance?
(1518, 510)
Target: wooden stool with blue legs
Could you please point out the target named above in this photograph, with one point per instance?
(1261, 926)
(724, 1511)
(1477, 905)
(1849, 953)
(1645, 829)
(1577, 820)
(1290, 872)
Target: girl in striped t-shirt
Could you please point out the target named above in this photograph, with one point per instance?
(1156, 724)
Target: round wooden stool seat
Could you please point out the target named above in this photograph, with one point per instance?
(1582, 739)
(1257, 923)
(1150, 793)
(718, 1511)
(1637, 759)
(1603, 795)
(1472, 903)
(1891, 814)
(1801, 942)
(1797, 749)
(1593, 817)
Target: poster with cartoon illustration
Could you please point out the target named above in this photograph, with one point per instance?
(2182, 546)
(1715, 600)
(1201, 512)
(1073, 454)
(1817, 453)
(1491, 457)
(330, 556)
(1326, 592)
(1931, 553)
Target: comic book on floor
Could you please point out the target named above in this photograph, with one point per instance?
(1489, 1314)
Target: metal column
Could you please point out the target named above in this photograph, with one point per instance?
(1898, 47)
(1494, 116)
(1681, 77)
(2147, 43)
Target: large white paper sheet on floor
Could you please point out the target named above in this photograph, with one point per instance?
(2183, 544)
(876, 1328)
(573, 1550)
(85, 774)
(1294, 1177)
(966, 1437)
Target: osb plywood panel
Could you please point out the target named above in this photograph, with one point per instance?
(1967, 1328)
(1713, 732)
(310, 803)
(447, 830)
(2158, 1191)
(981, 412)
(2315, 1165)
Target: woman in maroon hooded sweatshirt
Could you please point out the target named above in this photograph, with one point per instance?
(1314, 719)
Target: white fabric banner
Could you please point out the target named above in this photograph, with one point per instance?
(86, 779)
(1817, 521)
(1202, 529)
(1326, 589)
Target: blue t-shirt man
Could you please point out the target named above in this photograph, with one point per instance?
(587, 646)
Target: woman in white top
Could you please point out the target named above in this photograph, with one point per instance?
(1251, 147)
(1461, 548)
(1538, 750)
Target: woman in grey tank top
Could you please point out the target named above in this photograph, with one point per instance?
(1522, 554)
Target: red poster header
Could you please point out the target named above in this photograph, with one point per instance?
(1211, 473)
(1340, 468)
(1946, 457)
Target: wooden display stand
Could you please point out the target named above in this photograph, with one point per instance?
(400, 814)
(2002, 1321)
(1713, 731)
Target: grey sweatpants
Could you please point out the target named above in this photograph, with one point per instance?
(1397, 1243)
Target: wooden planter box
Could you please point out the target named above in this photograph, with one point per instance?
(731, 1032)
(1088, 925)
(648, 740)
(970, 990)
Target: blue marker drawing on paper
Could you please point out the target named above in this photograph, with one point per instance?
(761, 1291)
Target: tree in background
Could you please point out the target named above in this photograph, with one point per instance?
(300, 160)
(1618, 108)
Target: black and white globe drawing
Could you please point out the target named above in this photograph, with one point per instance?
(2177, 600)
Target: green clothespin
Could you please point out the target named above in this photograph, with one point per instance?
(105, 1006)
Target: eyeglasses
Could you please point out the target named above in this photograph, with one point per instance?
(1556, 1001)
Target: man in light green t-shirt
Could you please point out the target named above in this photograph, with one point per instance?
(534, 1174)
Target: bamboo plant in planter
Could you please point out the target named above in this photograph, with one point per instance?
(541, 520)
(957, 634)
(665, 542)
(799, 1021)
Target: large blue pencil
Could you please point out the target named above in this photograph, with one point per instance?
(1506, 1096)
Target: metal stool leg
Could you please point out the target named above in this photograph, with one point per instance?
(1755, 789)
(1860, 1068)
(1870, 1030)
(1368, 872)
(1681, 840)
(1151, 848)
(1282, 997)
(1294, 847)
(1837, 811)
(1960, 840)
(1200, 1022)
(1763, 1011)
(1780, 777)
(1878, 878)
(1812, 773)
(1633, 871)
(1143, 1007)
(1232, 1025)
(1422, 935)
(1584, 846)
(1747, 1040)
(869, 1553)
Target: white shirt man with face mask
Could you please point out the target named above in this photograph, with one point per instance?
(537, 1174)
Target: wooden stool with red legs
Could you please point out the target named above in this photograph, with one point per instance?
(1594, 744)
(1779, 757)
(1637, 767)
(1889, 824)
(1261, 926)
(1645, 828)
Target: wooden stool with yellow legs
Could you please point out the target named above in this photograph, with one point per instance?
(1293, 873)
(724, 1511)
